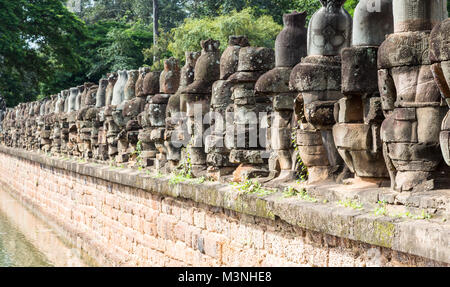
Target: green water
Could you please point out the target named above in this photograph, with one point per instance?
(28, 241)
(16, 250)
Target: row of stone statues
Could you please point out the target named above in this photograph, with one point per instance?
(367, 97)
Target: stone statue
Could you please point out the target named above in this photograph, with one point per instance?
(440, 57)
(130, 86)
(148, 149)
(410, 99)
(119, 88)
(169, 83)
(174, 134)
(198, 96)
(247, 136)
(112, 79)
(290, 47)
(358, 114)
(218, 153)
(318, 79)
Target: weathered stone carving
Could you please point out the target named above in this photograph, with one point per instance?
(410, 99)
(169, 83)
(130, 86)
(290, 47)
(148, 149)
(247, 138)
(198, 97)
(133, 106)
(139, 90)
(440, 57)
(119, 88)
(218, 153)
(112, 79)
(318, 79)
(174, 134)
(358, 114)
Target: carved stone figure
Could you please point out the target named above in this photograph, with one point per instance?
(148, 149)
(198, 96)
(169, 83)
(318, 79)
(247, 137)
(290, 47)
(440, 57)
(358, 114)
(174, 134)
(218, 153)
(119, 88)
(410, 99)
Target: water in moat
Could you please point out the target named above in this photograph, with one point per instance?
(27, 241)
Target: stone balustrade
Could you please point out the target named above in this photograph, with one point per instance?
(363, 101)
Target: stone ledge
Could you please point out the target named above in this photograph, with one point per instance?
(425, 238)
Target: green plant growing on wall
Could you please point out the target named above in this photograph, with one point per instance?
(302, 170)
(353, 204)
(183, 173)
(138, 153)
(380, 209)
(424, 215)
(302, 194)
(252, 187)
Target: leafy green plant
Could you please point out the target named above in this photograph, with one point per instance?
(380, 209)
(252, 187)
(183, 173)
(302, 170)
(354, 204)
(261, 31)
(138, 153)
(423, 215)
(302, 194)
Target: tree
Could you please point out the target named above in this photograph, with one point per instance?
(125, 47)
(261, 31)
(37, 39)
(170, 14)
(213, 8)
(155, 26)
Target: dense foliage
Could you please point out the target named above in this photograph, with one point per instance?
(45, 48)
(36, 42)
(261, 31)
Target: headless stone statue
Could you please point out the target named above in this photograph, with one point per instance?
(440, 57)
(130, 86)
(247, 136)
(112, 79)
(198, 96)
(318, 78)
(174, 134)
(359, 114)
(411, 101)
(169, 83)
(290, 47)
(221, 101)
(119, 88)
(148, 149)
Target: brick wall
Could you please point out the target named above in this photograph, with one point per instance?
(122, 226)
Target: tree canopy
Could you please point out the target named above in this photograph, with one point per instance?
(36, 40)
(45, 48)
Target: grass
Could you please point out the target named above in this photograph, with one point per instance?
(353, 204)
(381, 210)
(302, 194)
(252, 187)
(179, 178)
